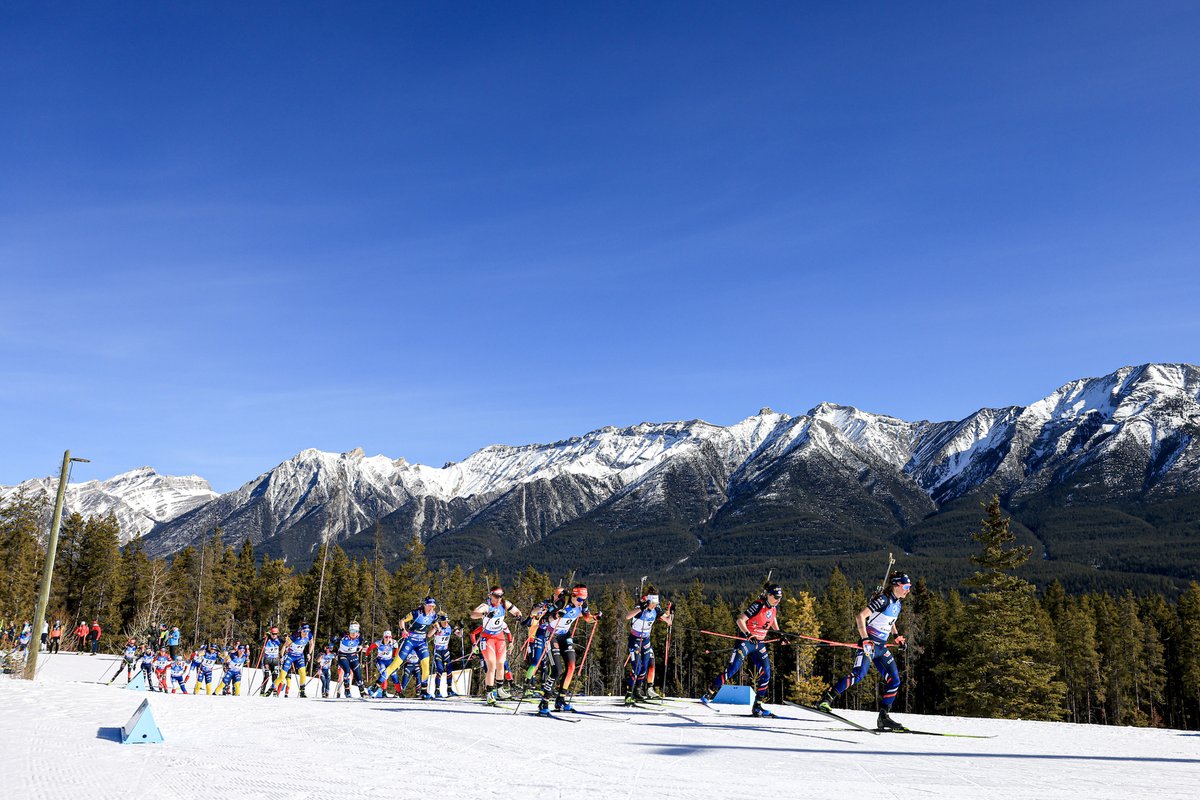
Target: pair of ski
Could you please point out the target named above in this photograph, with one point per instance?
(855, 725)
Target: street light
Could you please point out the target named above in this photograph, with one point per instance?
(39, 616)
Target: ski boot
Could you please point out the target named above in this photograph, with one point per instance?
(639, 693)
(630, 699)
(650, 694)
(424, 695)
(324, 694)
(491, 697)
(759, 710)
(502, 693)
(561, 704)
(543, 708)
(708, 696)
(886, 723)
(826, 702)
(302, 694)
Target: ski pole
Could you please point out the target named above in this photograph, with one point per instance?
(586, 649)
(828, 642)
(667, 648)
(739, 638)
(536, 667)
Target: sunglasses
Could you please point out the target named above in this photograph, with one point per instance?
(497, 594)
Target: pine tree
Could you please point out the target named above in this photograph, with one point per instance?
(1189, 655)
(244, 573)
(925, 628)
(277, 593)
(20, 525)
(1007, 669)
(1078, 658)
(799, 613)
(411, 581)
(836, 608)
(101, 588)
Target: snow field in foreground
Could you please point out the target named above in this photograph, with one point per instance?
(59, 737)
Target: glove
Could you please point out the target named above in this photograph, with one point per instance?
(670, 607)
(597, 614)
(868, 647)
(903, 642)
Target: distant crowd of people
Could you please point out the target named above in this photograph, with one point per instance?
(16, 638)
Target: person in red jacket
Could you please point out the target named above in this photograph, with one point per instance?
(81, 635)
(94, 636)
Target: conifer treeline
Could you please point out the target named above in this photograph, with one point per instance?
(997, 649)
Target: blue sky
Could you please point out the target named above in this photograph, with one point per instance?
(421, 228)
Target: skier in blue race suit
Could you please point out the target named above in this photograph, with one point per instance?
(875, 623)
(209, 659)
(295, 648)
(231, 681)
(179, 668)
(641, 651)
(271, 652)
(385, 653)
(441, 655)
(418, 625)
(325, 662)
(349, 659)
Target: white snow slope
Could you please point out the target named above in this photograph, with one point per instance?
(59, 739)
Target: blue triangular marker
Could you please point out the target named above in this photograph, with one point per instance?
(735, 695)
(138, 681)
(141, 728)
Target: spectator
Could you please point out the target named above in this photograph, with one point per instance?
(55, 636)
(94, 636)
(45, 635)
(81, 635)
(173, 641)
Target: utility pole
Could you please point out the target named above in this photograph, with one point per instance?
(39, 615)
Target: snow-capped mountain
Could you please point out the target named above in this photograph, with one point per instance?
(834, 471)
(140, 498)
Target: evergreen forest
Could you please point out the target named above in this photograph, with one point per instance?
(993, 645)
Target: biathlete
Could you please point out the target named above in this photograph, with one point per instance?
(538, 630)
(179, 670)
(563, 616)
(296, 648)
(272, 648)
(325, 662)
(411, 671)
(231, 680)
(641, 650)
(494, 640)
(148, 667)
(441, 654)
(417, 627)
(162, 662)
(386, 650)
(130, 656)
(754, 623)
(350, 661)
(875, 623)
(209, 659)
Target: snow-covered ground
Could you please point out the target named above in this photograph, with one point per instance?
(59, 738)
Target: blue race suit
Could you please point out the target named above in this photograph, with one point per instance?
(884, 611)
